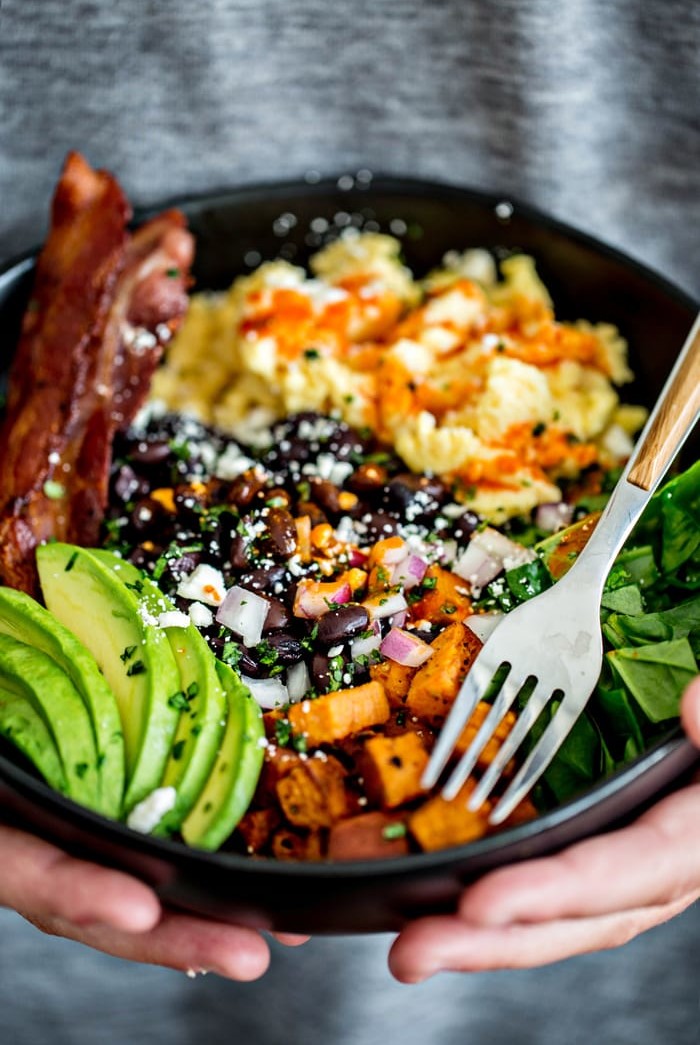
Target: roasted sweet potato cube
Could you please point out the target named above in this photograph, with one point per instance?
(439, 823)
(288, 844)
(278, 761)
(336, 715)
(256, 827)
(313, 794)
(395, 678)
(521, 814)
(392, 768)
(472, 727)
(369, 836)
(446, 601)
(435, 684)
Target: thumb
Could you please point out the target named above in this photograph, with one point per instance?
(690, 711)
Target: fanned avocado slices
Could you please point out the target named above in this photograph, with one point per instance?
(136, 658)
(199, 698)
(234, 776)
(23, 726)
(33, 676)
(24, 619)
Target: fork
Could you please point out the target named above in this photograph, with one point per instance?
(552, 644)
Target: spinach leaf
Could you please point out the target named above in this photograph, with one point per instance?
(528, 580)
(655, 675)
(627, 599)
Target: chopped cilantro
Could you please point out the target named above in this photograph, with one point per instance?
(283, 731)
(127, 653)
(137, 668)
(81, 769)
(53, 490)
(299, 744)
(178, 748)
(391, 831)
(312, 353)
(179, 701)
(71, 562)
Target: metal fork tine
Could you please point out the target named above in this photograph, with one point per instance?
(536, 702)
(509, 691)
(468, 697)
(537, 761)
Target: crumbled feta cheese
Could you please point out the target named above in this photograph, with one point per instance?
(173, 619)
(148, 813)
(200, 615)
(232, 463)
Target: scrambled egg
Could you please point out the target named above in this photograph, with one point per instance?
(467, 373)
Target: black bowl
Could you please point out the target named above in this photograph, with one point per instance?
(587, 279)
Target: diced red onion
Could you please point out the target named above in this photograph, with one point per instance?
(477, 567)
(298, 681)
(409, 572)
(487, 553)
(398, 619)
(363, 647)
(268, 693)
(405, 648)
(392, 555)
(244, 612)
(385, 604)
(313, 598)
(554, 516)
(483, 624)
(356, 557)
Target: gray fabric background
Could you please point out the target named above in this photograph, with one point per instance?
(587, 108)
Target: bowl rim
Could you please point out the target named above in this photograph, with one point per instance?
(673, 745)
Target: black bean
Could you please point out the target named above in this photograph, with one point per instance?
(288, 647)
(263, 578)
(147, 514)
(245, 488)
(238, 553)
(277, 615)
(368, 479)
(281, 533)
(314, 513)
(185, 564)
(379, 525)
(149, 452)
(140, 557)
(127, 484)
(342, 624)
(464, 526)
(326, 494)
(320, 671)
(416, 496)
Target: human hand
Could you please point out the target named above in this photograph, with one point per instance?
(595, 895)
(118, 914)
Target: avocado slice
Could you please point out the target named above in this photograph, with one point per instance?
(135, 657)
(24, 619)
(23, 726)
(200, 699)
(234, 776)
(34, 676)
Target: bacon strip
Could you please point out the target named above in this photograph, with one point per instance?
(103, 305)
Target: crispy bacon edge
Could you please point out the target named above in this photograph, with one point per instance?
(104, 304)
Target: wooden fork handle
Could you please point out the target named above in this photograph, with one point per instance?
(672, 418)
